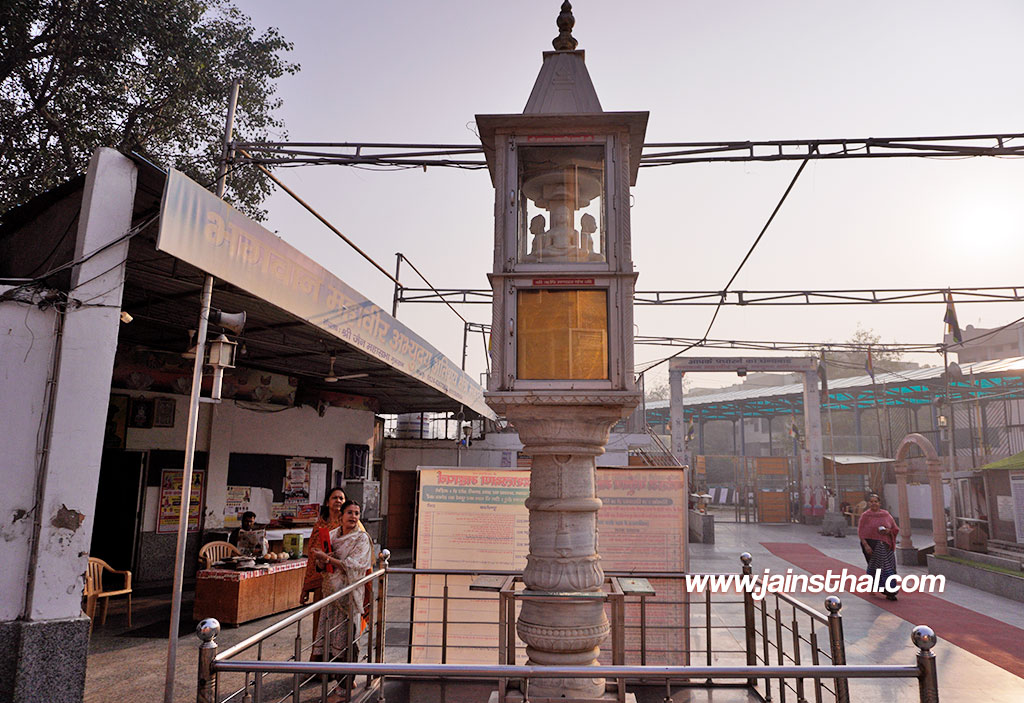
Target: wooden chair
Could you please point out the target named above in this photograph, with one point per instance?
(94, 590)
(216, 551)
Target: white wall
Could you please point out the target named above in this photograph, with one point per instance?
(919, 495)
(250, 428)
(26, 351)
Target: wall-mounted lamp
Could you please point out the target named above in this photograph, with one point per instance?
(222, 356)
(125, 317)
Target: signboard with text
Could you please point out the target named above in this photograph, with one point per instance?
(203, 230)
(474, 518)
(747, 363)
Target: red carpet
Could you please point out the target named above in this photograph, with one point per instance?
(985, 637)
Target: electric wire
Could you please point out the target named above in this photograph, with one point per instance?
(431, 285)
(320, 217)
(739, 268)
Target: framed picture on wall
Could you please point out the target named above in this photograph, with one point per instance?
(141, 413)
(163, 412)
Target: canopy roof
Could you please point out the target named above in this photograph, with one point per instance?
(162, 295)
(983, 379)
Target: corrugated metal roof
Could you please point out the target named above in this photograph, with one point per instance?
(908, 384)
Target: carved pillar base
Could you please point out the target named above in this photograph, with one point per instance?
(564, 441)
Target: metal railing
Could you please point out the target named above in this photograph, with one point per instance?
(781, 652)
(254, 687)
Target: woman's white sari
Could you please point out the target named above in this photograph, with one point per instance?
(355, 551)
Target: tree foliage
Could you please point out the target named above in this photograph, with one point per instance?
(151, 76)
(842, 364)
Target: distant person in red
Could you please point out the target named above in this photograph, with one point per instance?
(877, 531)
(330, 519)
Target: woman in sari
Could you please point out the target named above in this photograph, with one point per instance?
(877, 531)
(346, 557)
(330, 519)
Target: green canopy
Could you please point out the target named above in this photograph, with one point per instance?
(1011, 463)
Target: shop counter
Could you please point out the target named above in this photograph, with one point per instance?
(234, 597)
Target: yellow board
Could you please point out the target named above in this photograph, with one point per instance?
(562, 334)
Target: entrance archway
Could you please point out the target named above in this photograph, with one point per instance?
(907, 553)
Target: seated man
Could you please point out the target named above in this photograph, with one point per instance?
(249, 540)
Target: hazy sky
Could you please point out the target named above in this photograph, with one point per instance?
(709, 70)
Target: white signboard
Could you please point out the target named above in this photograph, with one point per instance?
(1004, 506)
(1017, 491)
(475, 518)
(748, 363)
(200, 228)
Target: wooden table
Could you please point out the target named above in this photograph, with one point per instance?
(234, 597)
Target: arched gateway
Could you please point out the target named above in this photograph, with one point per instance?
(906, 552)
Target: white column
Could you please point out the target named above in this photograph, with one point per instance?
(81, 395)
(812, 473)
(564, 442)
(221, 426)
(676, 418)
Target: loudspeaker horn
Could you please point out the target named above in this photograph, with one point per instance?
(231, 321)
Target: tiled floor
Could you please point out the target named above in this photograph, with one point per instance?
(123, 668)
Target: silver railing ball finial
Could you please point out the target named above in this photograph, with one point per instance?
(923, 637)
(565, 41)
(833, 604)
(745, 558)
(208, 629)
(385, 555)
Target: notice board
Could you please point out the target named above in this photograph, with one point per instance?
(476, 518)
(170, 500)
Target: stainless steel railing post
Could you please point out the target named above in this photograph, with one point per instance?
(207, 632)
(381, 624)
(748, 616)
(924, 638)
(444, 623)
(837, 645)
(297, 678)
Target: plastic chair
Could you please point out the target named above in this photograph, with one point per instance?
(854, 512)
(94, 590)
(216, 551)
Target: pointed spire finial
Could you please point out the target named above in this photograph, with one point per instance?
(565, 41)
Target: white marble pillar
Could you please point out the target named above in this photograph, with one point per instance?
(564, 442)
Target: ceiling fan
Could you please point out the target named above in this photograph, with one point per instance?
(331, 378)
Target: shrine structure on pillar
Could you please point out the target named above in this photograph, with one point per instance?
(562, 336)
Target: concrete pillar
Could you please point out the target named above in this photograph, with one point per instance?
(906, 552)
(47, 645)
(938, 506)
(812, 472)
(675, 403)
(856, 427)
(221, 424)
(743, 433)
(564, 442)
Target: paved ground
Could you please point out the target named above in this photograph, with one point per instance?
(130, 666)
